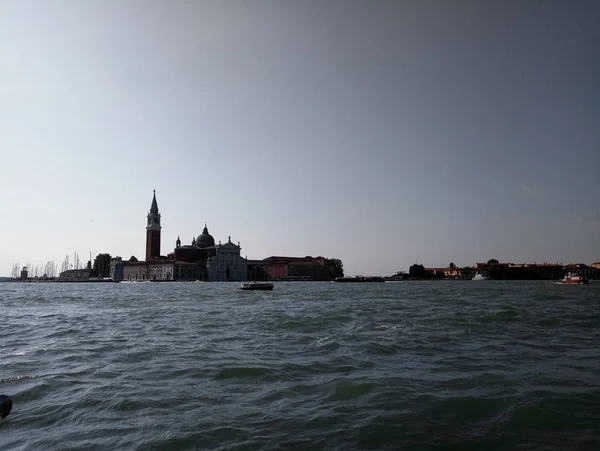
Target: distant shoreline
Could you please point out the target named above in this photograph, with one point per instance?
(276, 281)
(56, 281)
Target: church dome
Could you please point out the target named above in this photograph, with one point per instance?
(205, 239)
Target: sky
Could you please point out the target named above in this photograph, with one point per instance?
(382, 133)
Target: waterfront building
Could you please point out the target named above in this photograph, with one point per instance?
(508, 271)
(226, 263)
(216, 262)
(116, 268)
(74, 275)
(153, 231)
(435, 273)
(309, 268)
(24, 273)
(200, 260)
(580, 269)
(548, 271)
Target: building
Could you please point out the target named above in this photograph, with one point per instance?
(226, 263)
(581, 269)
(24, 273)
(116, 268)
(436, 273)
(74, 275)
(200, 260)
(163, 270)
(548, 271)
(153, 231)
(299, 268)
(508, 271)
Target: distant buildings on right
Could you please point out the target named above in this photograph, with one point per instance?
(506, 271)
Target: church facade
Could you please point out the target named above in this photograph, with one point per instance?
(201, 260)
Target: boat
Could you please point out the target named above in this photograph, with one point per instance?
(574, 279)
(257, 286)
(359, 279)
(480, 276)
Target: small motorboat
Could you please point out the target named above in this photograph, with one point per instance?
(360, 279)
(574, 279)
(480, 276)
(257, 286)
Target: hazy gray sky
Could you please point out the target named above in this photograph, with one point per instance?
(377, 132)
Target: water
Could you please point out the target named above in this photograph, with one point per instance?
(409, 365)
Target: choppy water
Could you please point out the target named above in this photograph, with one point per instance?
(409, 365)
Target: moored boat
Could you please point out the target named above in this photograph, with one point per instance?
(574, 279)
(359, 279)
(257, 286)
(480, 276)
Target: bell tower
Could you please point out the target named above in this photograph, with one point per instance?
(153, 231)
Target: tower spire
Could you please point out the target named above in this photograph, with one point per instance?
(153, 231)
(154, 206)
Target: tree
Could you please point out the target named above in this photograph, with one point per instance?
(417, 271)
(336, 267)
(101, 266)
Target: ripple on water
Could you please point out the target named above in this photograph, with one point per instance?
(236, 372)
(312, 366)
(502, 315)
(350, 390)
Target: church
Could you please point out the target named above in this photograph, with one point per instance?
(201, 260)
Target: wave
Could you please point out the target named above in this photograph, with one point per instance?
(348, 390)
(502, 316)
(392, 366)
(236, 372)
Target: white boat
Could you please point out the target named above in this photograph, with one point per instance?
(257, 286)
(480, 276)
(574, 279)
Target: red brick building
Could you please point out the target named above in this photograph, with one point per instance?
(309, 268)
(153, 231)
